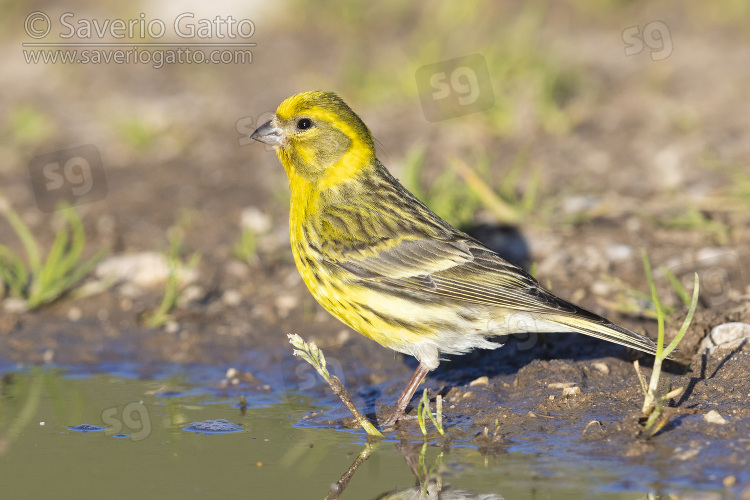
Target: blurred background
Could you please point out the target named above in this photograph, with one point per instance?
(596, 129)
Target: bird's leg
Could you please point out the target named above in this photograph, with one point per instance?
(406, 394)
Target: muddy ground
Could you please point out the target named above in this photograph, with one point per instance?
(654, 157)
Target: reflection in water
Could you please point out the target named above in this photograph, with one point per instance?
(429, 480)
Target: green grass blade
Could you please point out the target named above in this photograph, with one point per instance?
(656, 301)
(29, 244)
(688, 319)
(13, 272)
(681, 292)
(77, 240)
(420, 412)
(51, 270)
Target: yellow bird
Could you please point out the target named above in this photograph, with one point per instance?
(387, 266)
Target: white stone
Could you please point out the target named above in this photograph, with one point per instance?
(255, 220)
(713, 417)
(144, 270)
(727, 336)
(13, 305)
(75, 313)
(618, 252)
(232, 297)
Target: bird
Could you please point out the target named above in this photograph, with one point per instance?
(387, 266)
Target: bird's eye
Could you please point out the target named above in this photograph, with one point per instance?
(304, 123)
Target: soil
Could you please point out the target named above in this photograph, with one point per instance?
(634, 157)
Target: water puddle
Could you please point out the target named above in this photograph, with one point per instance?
(77, 432)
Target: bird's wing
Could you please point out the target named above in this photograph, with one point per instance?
(412, 250)
(465, 270)
(458, 269)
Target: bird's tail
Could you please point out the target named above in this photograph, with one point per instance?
(605, 330)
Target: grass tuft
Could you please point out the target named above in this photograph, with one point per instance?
(424, 408)
(654, 401)
(173, 289)
(37, 280)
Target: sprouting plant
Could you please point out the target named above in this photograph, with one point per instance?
(424, 408)
(502, 210)
(39, 280)
(458, 202)
(450, 198)
(654, 401)
(633, 301)
(173, 288)
(313, 355)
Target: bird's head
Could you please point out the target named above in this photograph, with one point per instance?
(318, 137)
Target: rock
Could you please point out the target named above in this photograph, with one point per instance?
(727, 336)
(571, 391)
(667, 163)
(686, 454)
(713, 417)
(602, 288)
(231, 297)
(144, 270)
(75, 313)
(255, 220)
(601, 367)
(578, 204)
(285, 303)
(14, 306)
(618, 252)
(193, 293)
(561, 385)
(480, 381)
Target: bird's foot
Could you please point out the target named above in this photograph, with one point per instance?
(397, 416)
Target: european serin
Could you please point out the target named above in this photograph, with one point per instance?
(384, 264)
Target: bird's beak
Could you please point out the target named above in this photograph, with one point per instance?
(268, 133)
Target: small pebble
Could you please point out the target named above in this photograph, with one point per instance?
(618, 252)
(232, 297)
(571, 391)
(13, 305)
(74, 313)
(285, 303)
(483, 380)
(601, 367)
(687, 454)
(713, 417)
(561, 385)
(727, 336)
(255, 220)
(48, 356)
(192, 293)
